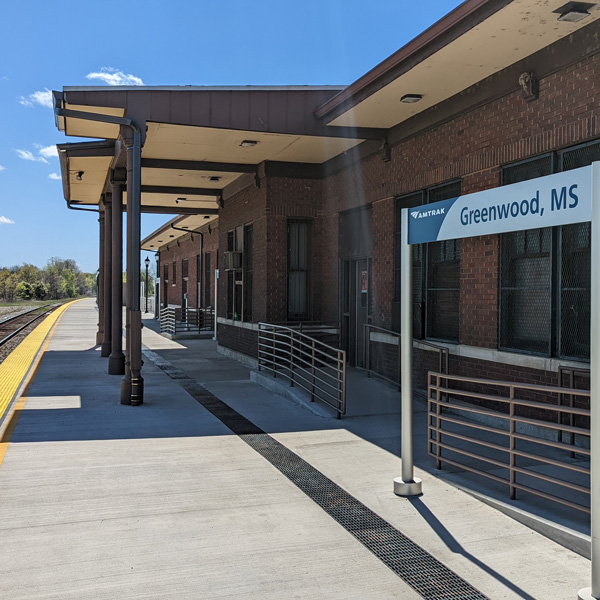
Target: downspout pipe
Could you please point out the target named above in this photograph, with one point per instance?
(132, 386)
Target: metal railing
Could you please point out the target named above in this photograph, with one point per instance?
(328, 332)
(174, 320)
(482, 426)
(368, 338)
(568, 378)
(307, 362)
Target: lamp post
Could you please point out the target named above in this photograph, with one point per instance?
(147, 261)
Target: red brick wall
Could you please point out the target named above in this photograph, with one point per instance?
(187, 247)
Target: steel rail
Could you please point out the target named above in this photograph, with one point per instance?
(303, 360)
(17, 331)
(446, 404)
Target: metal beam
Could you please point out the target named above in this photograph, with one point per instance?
(197, 165)
(180, 191)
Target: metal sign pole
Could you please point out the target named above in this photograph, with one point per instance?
(407, 485)
(593, 593)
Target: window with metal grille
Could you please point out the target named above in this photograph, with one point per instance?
(436, 273)
(184, 268)
(299, 268)
(545, 274)
(239, 270)
(526, 274)
(248, 271)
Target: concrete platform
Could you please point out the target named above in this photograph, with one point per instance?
(99, 500)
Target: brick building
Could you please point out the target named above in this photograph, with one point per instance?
(302, 190)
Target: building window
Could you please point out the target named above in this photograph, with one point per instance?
(165, 285)
(185, 268)
(239, 267)
(436, 273)
(299, 267)
(545, 273)
(174, 282)
(248, 271)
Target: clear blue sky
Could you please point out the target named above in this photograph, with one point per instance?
(47, 45)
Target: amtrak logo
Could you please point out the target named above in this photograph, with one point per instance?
(428, 213)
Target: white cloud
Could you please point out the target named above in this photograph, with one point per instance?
(6, 221)
(42, 97)
(2, 168)
(28, 155)
(54, 176)
(112, 76)
(47, 151)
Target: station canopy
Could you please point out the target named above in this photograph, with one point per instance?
(203, 144)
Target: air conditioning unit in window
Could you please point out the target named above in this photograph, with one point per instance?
(233, 260)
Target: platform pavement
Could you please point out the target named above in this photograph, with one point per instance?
(99, 500)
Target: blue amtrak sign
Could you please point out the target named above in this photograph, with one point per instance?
(558, 199)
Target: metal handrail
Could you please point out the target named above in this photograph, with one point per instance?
(318, 368)
(175, 319)
(451, 430)
(442, 350)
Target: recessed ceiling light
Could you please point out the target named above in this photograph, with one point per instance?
(248, 143)
(206, 216)
(151, 245)
(573, 12)
(215, 178)
(185, 227)
(79, 175)
(171, 236)
(178, 200)
(159, 241)
(573, 16)
(411, 98)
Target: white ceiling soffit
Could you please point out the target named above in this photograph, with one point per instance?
(93, 129)
(166, 234)
(91, 172)
(187, 178)
(171, 201)
(183, 142)
(516, 31)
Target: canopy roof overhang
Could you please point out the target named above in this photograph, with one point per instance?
(200, 144)
(477, 39)
(176, 228)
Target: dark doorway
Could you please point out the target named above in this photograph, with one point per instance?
(355, 252)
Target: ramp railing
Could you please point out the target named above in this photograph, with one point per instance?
(511, 433)
(307, 362)
(174, 320)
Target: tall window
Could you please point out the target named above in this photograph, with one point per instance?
(436, 273)
(239, 268)
(545, 273)
(299, 265)
(165, 285)
(174, 282)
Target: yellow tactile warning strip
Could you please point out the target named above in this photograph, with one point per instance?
(18, 362)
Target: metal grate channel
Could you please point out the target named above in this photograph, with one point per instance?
(419, 569)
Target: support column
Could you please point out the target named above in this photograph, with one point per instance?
(106, 340)
(135, 380)
(116, 360)
(408, 484)
(100, 297)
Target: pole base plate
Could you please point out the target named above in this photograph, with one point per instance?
(408, 488)
(586, 594)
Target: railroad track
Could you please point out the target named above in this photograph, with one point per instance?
(11, 327)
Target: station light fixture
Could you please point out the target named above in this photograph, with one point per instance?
(411, 98)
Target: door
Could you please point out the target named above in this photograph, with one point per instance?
(357, 291)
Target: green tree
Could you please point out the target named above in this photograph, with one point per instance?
(24, 290)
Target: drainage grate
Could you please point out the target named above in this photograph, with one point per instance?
(419, 569)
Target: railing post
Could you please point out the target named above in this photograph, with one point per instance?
(512, 444)
(292, 358)
(312, 372)
(438, 422)
(342, 390)
(259, 341)
(399, 363)
(367, 349)
(274, 353)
